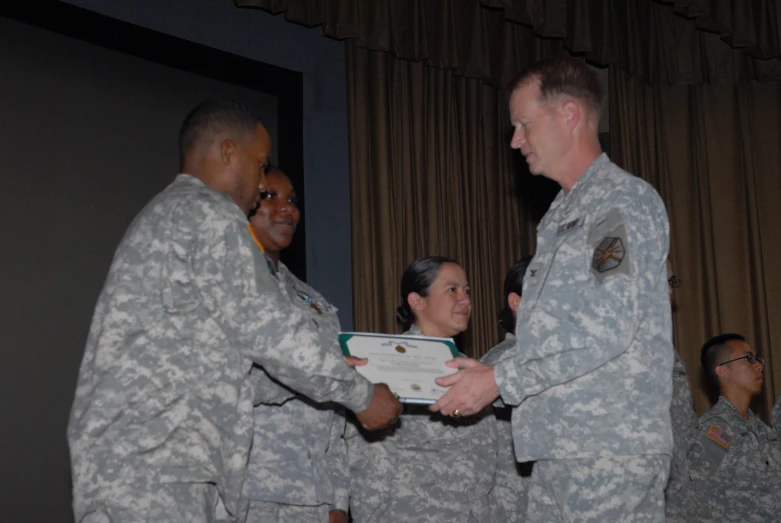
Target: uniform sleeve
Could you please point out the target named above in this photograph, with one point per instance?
(607, 305)
(266, 327)
(776, 419)
(709, 448)
(710, 444)
(339, 467)
(268, 391)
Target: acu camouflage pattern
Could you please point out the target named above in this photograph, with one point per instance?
(604, 489)
(163, 394)
(776, 416)
(740, 482)
(591, 372)
(684, 421)
(508, 497)
(267, 512)
(298, 468)
(427, 469)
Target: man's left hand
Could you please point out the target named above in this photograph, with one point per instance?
(354, 361)
(471, 389)
(337, 516)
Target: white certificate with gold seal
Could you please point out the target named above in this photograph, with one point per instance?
(408, 364)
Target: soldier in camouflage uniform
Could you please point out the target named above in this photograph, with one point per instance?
(161, 424)
(591, 371)
(684, 420)
(298, 465)
(508, 496)
(734, 463)
(429, 468)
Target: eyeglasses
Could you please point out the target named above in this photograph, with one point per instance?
(751, 358)
(674, 281)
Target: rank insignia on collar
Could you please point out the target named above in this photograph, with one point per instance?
(608, 255)
(315, 306)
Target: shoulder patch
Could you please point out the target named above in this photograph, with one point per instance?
(719, 436)
(609, 254)
(608, 239)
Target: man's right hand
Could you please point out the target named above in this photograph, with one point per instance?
(383, 410)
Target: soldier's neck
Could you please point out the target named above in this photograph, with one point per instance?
(435, 331)
(740, 400)
(274, 257)
(576, 163)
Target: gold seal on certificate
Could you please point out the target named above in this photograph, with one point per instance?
(408, 364)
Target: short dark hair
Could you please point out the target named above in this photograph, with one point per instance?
(713, 352)
(564, 75)
(418, 277)
(212, 117)
(513, 282)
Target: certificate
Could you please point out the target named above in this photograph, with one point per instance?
(408, 364)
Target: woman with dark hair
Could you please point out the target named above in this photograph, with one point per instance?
(508, 497)
(297, 467)
(429, 468)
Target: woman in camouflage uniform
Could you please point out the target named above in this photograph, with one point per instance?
(429, 468)
(298, 468)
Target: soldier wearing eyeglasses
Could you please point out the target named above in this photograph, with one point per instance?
(735, 459)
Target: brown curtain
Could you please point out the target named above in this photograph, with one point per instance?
(714, 154)
(675, 41)
(695, 109)
(431, 175)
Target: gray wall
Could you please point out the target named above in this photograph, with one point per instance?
(68, 190)
(260, 36)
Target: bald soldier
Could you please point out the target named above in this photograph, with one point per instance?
(161, 424)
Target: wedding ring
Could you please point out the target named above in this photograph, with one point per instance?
(456, 413)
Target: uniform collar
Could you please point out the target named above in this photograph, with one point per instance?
(724, 405)
(414, 330)
(189, 179)
(564, 200)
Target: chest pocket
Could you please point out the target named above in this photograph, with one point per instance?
(775, 452)
(314, 307)
(562, 259)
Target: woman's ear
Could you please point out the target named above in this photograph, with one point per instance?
(513, 301)
(416, 301)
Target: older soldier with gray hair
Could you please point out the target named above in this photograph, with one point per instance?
(734, 462)
(161, 424)
(590, 374)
